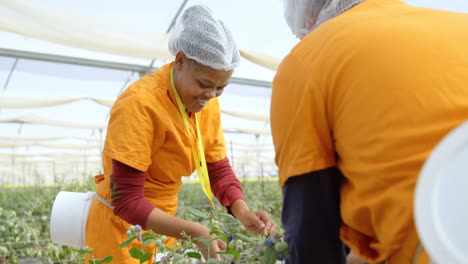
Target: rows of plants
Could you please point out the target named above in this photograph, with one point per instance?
(24, 228)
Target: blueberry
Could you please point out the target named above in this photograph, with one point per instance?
(280, 256)
(239, 248)
(275, 238)
(163, 260)
(268, 242)
(258, 248)
(137, 228)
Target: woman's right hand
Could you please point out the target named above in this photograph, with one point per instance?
(216, 244)
(173, 226)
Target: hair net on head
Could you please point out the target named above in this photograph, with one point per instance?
(204, 39)
(303, 16)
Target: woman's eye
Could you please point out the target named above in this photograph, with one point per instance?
(203, 85)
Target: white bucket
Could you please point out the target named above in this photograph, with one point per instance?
(441, 198)
(69, 216)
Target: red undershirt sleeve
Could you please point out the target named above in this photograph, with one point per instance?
(224, 183)
(127, 194)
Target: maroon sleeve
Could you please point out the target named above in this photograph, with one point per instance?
(224, 183)
(127, 187)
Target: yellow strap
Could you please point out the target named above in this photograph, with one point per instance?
(198, 156)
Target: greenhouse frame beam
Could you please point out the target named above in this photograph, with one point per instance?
(28, 55)
(176, 16)
(13, 67)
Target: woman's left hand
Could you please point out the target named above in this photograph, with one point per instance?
(258, 222)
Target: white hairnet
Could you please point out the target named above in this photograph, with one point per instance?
(303, 16)
(204, 39)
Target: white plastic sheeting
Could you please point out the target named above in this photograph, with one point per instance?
(49, 145)
(264, 60)
(33, 119)
(25, 102)
(36, 21)
(25, 18)
(22, 138)
(35, 102)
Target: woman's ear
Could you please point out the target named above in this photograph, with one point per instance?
(180, 60)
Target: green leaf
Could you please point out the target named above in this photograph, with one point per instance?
(218, 233)
(197, 213)
(126, 243)
(244, 237)
(107, 259)
(148, 242)
(136, 253)
(150, 235)
(214, 261)
(230, 251)
(145, 257)
(269, 256)
(85, 251)
(203, 240)
(194, 255)
(227, 217)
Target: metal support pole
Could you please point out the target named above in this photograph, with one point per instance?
(176, 16)
(10, 74)
(106, 64)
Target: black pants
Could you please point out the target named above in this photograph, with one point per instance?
(311, 218)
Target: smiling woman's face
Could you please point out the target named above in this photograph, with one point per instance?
(196, 83)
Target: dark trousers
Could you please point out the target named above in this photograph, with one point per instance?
(311, 218)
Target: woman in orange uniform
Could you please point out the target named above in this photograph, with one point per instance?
(153, 139)
(357, 106)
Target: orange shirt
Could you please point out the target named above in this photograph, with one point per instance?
(146, 132)
(372, 91)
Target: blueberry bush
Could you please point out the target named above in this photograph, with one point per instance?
(25, 216)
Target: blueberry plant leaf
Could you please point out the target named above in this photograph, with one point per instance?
(214, 261)
(136, 253)
(269, 256)
(127, 242)
(107, 259)
(146, 256)
(85, 251)
(197, 213)
(194, 255)
(231, 252)
(148, 242)
(244, 237)
(226, 217)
